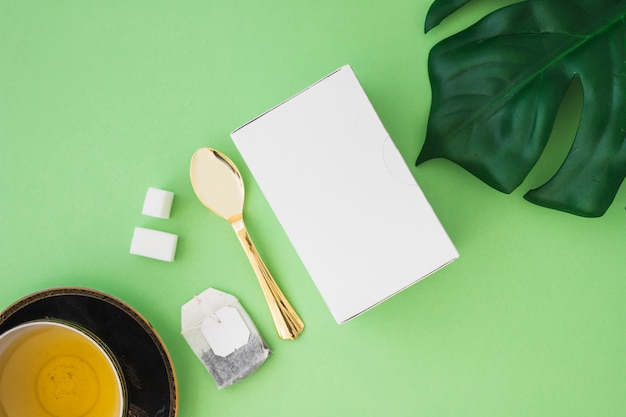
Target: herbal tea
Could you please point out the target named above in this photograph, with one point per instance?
(52, 370)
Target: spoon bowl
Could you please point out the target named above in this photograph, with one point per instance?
(218, 185)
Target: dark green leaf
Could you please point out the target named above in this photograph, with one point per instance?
(441, 9)
(498, 85)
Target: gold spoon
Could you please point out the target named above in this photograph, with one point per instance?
(218, 184)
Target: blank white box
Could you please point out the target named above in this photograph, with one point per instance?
(154, 244)
(158, 203)
(361, 225)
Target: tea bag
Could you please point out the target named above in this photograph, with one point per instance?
(223, 337)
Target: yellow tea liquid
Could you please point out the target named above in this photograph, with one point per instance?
(57, 372)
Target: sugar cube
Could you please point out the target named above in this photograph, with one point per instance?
(154, 244)
(158, 203)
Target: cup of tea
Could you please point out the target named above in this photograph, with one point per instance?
(56, 369)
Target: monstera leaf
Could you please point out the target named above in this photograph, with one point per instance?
(497, 87)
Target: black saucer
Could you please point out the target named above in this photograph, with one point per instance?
(145, 362)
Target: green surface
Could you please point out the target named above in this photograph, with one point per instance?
(100, 100)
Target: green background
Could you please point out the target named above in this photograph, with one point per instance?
(101, 100)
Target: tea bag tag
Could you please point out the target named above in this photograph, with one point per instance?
(225, 331)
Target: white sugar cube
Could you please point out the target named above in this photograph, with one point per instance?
(154, 244)
(158, 203)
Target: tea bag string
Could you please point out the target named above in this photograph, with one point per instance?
(213, 316)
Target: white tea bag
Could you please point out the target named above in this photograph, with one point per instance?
(223, 337)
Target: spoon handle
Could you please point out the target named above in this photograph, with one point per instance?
(287, 322)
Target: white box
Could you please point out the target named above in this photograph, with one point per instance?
(343, 194)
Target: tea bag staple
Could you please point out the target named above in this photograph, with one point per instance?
(222, 335)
